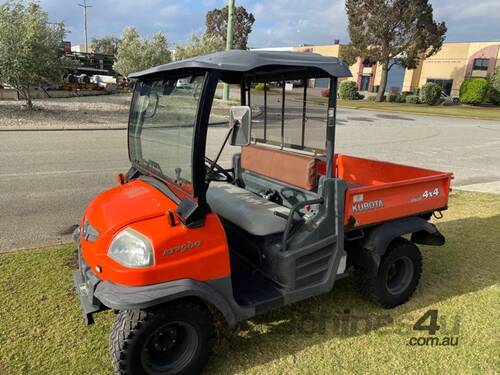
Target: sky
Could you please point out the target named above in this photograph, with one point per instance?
(279, 23)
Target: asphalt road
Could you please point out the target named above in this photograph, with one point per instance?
(48, 177)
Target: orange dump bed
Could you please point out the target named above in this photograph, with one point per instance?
(380, 191)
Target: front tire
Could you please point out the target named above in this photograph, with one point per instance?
(176, 339)
(397, 277)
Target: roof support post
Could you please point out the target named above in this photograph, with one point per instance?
(304, 110)
(283, 116)
(330, 127)
(265, 111)
(229, 43)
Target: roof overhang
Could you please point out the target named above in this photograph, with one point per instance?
(235, 64)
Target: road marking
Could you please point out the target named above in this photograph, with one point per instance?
(55, 173)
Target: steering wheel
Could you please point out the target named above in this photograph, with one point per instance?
(215, 172)
(293, 196)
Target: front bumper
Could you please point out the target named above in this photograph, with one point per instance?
(85, 284)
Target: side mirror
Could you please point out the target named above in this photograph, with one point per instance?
(151, 105)
(240, 119)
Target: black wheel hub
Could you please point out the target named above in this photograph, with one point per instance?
(399, 275)
(169, 348)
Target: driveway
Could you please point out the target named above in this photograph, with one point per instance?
(48, 177)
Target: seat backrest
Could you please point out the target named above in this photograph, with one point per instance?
(288, 167)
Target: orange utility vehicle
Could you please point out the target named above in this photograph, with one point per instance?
(183, 239)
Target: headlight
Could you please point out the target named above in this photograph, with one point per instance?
(131, 249)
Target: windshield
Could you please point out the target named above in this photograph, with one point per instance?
(162, 120)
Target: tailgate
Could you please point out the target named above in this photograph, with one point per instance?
(367, 205)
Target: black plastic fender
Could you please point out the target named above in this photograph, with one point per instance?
(215, 292)
(376, 241)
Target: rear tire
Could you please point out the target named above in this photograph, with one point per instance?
(176, 339)
(397, 277)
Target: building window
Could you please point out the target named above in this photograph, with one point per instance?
(365, 83)
(367, 63)
(481, 64)
(446, 84)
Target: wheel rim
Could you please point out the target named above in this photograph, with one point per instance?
(169, 348)
(399, 275)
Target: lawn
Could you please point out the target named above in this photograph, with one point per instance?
(486, 113)
(464, 111)
(42, 332)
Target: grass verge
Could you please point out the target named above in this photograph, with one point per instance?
(485, 113)
(42, 332)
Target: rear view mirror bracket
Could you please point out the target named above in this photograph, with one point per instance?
(240, 123)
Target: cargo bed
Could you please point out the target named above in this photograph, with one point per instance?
(379, 191)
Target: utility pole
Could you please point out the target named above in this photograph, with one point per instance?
(229, 40)
(85, 6)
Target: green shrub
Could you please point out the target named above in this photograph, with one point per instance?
(393, 98)
(402, 97)
(372, 98)
(348, 91)
(261, 86)
(412, 99)
(473, 91)
(494, 87)
(430, 93)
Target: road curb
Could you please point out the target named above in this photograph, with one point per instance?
(58, 128)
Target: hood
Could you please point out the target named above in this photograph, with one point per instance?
(126, 204)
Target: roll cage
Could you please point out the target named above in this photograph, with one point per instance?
(243, 68)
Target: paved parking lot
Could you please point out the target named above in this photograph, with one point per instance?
(48, 177)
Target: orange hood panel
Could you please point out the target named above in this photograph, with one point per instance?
(111, 210)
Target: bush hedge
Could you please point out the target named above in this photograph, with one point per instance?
(393, 98)
(348, 91)
(494, 87)
(473, 91)
(404, 94)
(261, 86)
(430, 93)
(412, 99)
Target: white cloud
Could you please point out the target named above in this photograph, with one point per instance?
(278, 22)
(469, 20)
(294, 22)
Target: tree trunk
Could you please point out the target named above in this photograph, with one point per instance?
(27, 96)
(383, 82)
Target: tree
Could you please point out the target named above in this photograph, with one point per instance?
(107, 45)
(135, 53)
(392, 32)
(31, 49)
(198, 46)
(216, 25)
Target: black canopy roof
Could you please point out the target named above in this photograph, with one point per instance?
(234, 64)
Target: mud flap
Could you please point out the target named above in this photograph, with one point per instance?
(425, 238)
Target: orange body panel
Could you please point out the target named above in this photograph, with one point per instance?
(142, 207)
(380, 191)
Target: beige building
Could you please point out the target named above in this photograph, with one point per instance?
(449, 67)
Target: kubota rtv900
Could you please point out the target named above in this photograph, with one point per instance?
(183, 237)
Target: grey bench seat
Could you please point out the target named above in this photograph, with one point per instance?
(247, 210)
